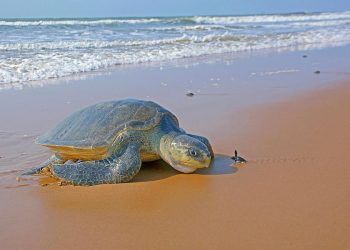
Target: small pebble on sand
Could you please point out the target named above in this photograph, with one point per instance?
(190, 94)
(317, 72)
(304, 56)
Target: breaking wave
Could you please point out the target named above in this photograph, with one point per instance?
(55, 48)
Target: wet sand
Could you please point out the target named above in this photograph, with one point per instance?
(293, 194)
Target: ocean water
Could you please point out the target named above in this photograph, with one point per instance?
(40, 49)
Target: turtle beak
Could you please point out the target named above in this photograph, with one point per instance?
(184, 169)
(206, 160)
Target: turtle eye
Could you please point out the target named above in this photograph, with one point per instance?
(192, 152)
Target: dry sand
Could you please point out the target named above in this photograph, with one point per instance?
(293, 194)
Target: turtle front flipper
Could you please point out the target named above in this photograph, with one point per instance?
(55, 159)
(120, 167)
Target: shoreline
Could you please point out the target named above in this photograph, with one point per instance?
(292, 128)
(185, 63)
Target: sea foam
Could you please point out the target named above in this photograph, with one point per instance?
(34, 50)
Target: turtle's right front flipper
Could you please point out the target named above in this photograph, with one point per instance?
(55, 159)
(115, 169)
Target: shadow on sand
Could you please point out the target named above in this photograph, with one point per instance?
(158, 170)
(151, 171)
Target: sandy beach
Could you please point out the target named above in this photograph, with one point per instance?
(292, 126)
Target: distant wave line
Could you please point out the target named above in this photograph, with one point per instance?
(190, 19)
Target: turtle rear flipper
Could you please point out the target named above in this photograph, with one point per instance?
(55, 159)
(115, 169)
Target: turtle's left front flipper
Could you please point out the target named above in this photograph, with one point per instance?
(115, 169)
(55, 159)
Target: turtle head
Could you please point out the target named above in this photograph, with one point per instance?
(185, 153)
